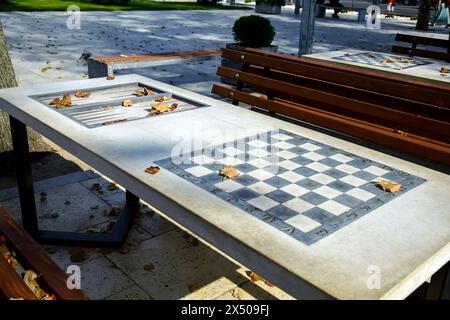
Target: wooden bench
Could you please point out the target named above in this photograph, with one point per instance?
(425, 41)
(99, 67)
(51, 278)
(403, 113)
(321, 10)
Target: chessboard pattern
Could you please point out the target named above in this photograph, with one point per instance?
(302, 187)
(375, 59)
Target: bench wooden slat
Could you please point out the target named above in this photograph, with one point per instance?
(388, 101)
(420, 53)
(442, 43)
(399, 120)
(163, 56)
(11, 286)
(33, 257)
(367, 131)
(368, 81)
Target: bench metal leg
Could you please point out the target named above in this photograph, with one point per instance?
(362, 16)
(439, 288)
(98, 69)
(114, 239)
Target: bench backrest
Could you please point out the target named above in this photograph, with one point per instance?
(425, 41)
(343, 98)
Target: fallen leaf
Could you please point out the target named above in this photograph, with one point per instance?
(386, 61)
(173, 107)
(144, 92)
(66, 101)
(104, 108)
(110, 78)
(123, 56)
(43, 197)
(161, 107)
(45, 69)
(149, 267)
(162, 99)
(112, 186)
(127, 103)
(444, 70)
(237, 294)
(389, 186)
(255, 277)
(152, 170)
(229, 172)
(81, 94)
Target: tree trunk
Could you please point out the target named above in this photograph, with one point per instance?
(423, 19)
(8, 80)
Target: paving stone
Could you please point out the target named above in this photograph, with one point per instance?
(131, 293)
(182, 268)
(67, 208)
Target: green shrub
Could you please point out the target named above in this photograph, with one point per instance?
(272, 2)
(111, 1)
(253, 31)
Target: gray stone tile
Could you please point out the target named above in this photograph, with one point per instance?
(68, 208)
(183, 268)
(255, 291)
(131, 293)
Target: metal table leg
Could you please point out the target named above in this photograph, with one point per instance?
(439, 288)
(113, 239)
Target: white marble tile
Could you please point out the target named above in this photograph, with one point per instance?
(263, 203)
(303, 223)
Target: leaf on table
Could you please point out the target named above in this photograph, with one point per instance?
(162, 99)
(112, 186)
(255, 278)
(81, 94)
(152, 170)
(229, 172)
(161, 107)
(444, 70)
(405, 60)
(110, 78)
(144, 92)
(389, 186)
(386, 61)
(173, 107)
(149, 267)
(127, 103)
(45, 69)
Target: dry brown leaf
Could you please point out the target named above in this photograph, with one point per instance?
(173, 107)
(386, 60)
(255, 277)
(237, 294)
(149, 267)
(389, 186)
(152, 170)
(162, 99)
(229, 172)
(127, 103)
(81, 94)
(161, 107)
(66, 101)
(110, 78)
(144, 92)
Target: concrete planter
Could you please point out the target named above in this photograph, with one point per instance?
(238, 65)
(267, 8)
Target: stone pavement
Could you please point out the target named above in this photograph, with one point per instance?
(181, 266)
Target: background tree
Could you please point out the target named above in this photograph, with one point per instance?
(423, 18)
(8, 80)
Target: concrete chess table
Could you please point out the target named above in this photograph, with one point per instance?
(412, 66)
(305, 211)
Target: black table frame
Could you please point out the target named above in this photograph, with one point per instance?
(113, 239)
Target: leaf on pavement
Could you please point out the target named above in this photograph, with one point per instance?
(389, 186)
(229, 172)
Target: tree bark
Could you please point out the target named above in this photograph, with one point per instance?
(8, 80)
(423, 19)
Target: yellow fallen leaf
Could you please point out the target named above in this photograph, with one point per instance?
(389, 186)
(110, 78)
(386, 60)
(444, 70)
(81, 94)
(45, 69)
(229, 172)
(127, 103)
(161, 107)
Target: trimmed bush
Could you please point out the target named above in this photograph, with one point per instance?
(253, 31)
